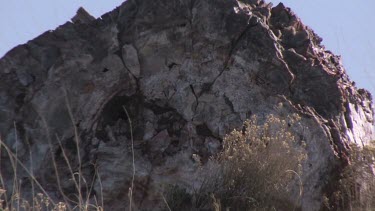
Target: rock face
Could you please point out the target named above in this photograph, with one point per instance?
(187, 72)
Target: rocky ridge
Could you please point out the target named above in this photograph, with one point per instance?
(187, 72)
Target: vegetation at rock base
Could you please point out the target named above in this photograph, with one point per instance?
(254, 171)
(257, 169)
(356, 186)
(14, 199)
(259, 163)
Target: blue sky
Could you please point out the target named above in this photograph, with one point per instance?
(346, 26)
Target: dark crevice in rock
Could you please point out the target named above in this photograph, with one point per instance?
(172, 122)
(229, 103)
(338, 142)
(102, 135)
(114, 110)
(114, 114)
(140, 67)
(158, 109)
(196, 97)
(205, 88)
(167, 118)
(173, 148)
(119, 54)
(203, 130)
(20, 133)
(20, 100)
(171, 65)
(167, 96)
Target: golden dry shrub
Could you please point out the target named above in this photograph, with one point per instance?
(258, 165)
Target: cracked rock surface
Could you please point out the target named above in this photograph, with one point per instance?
(187, 72)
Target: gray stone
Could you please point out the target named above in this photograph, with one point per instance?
(130, 57)
(187, 73)
(82, 17)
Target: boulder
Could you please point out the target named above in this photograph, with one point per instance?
(169, 78)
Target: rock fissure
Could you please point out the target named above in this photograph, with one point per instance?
(251, 23)
(196, 97)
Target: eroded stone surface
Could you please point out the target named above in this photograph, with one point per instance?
(187, 72)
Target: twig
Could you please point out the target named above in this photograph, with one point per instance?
(133, 162)
(76, 138)
(166, 203)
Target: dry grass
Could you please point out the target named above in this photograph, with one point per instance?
(258, 165)
(356, 186)
(15, 200)
(40, 200)
(254, 171)
(177, 198)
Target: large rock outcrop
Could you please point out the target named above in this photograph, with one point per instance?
(187, 72)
